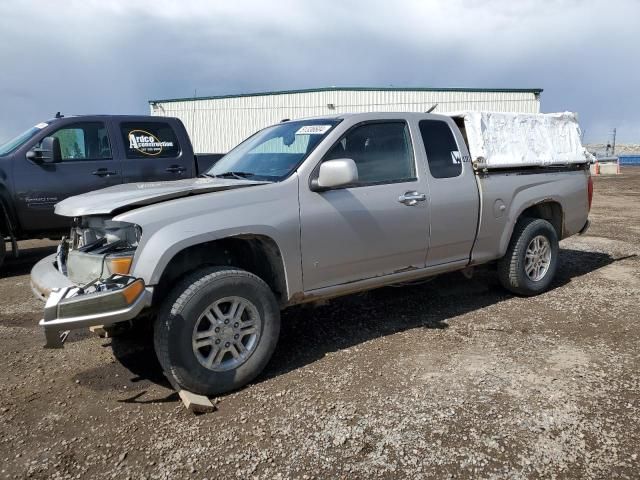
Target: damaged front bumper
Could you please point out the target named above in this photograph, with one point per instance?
(45, 277)
(116, 299)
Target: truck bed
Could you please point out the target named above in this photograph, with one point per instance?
(506, 194)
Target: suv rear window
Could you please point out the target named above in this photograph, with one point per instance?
(149, 140)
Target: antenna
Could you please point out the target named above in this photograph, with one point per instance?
(435, 105)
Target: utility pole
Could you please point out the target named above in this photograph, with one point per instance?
(613, 148)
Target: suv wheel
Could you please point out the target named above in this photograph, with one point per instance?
(3, 250)
(217, 330)
(531, 260)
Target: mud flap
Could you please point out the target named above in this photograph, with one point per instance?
(584, 229)
(55, 339)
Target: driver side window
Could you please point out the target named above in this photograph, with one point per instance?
(382, 152)
(84, 141)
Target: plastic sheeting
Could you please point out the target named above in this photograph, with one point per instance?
(503, 140)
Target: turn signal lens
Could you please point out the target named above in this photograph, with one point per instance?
(119, 265)
(133, 291)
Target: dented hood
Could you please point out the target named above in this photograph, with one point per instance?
(130, 195)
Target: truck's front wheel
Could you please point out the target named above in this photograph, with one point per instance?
(531, 260)
(217, 330)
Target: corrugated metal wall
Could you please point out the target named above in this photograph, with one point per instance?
(217, 125)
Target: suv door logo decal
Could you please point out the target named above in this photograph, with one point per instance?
(146, 143)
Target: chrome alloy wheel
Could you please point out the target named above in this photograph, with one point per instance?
(226, 334)
(538, 258)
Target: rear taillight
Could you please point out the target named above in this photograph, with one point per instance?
(590, 191)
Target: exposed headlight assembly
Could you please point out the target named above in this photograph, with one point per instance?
(101, 248)
(92, 233)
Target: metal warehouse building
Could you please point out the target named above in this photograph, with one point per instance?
(217, 124)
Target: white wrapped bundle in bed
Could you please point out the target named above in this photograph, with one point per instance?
(508, 140)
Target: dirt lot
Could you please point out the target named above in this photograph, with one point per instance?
(454, 378)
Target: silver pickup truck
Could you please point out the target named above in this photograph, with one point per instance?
(301, 211)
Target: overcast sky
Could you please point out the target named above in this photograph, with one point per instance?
(86, 56)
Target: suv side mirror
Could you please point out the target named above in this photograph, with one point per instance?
(48, 152)
(335, 173)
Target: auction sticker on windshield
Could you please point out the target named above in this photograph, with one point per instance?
(313, 130)
(42, 125)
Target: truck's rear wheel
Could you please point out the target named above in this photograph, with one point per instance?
(217, 330)
(531, 260)
(3, 250)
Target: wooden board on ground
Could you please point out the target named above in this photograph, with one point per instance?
(196, 403)
(192, 401)
(98, 330)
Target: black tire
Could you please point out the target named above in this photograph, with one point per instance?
(181, 315)
(511, 267)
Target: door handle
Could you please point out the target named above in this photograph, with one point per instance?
(411, 198)
(175, 169)
(103, 172)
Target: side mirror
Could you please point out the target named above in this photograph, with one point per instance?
(48, 152)
(335, 173)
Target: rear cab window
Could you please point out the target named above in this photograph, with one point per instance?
(443, 156)
(149, 140)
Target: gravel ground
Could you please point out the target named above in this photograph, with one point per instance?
(453, 378)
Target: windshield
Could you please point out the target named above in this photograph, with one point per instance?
(17, 142)
(273, 153)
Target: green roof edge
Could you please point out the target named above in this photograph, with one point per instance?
(535, 91)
